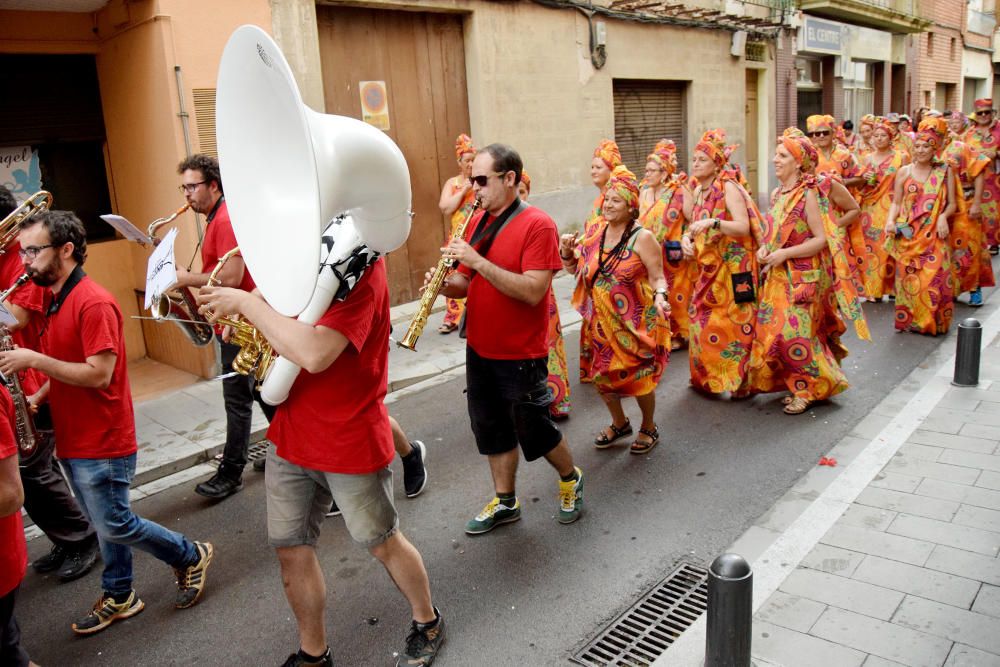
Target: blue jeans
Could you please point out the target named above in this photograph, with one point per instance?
(101, 486)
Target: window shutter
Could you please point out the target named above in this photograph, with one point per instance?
(204, 116)
(645, 112)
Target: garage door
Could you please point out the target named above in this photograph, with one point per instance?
(645, 112)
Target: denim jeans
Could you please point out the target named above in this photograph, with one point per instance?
(238, 393)
(101, 486)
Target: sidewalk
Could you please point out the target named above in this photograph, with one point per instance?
(891, 557)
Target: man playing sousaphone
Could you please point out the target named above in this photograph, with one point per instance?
(202, 188)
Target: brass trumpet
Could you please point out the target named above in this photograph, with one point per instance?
(9, 227)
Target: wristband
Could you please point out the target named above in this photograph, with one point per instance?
(715, 225)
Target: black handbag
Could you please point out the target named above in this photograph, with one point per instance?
(743, 287)
(673, 251)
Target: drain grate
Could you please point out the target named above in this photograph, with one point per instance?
(256, 450)
(647, 629)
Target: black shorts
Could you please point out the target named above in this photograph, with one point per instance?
(509, 405)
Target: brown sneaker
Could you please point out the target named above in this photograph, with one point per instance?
(106, 611)
(191, 579)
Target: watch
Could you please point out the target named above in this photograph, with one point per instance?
(660, 290)
(715, 225)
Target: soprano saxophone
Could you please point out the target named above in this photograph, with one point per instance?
(27, 439)
(433, 288)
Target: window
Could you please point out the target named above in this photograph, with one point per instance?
(952, 51)
(809, 72)
(930, 44)
(645, 112)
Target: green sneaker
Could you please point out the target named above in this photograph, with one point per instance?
(571, 498)
(492, 516)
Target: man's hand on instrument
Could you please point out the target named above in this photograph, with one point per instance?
(17, 360)
(216, 302)
(462, 252)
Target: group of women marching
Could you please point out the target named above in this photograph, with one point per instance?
(762, 300)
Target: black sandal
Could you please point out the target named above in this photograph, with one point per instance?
(603, 441)
(640, 447)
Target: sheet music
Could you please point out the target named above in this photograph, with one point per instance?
(128, 230)
(161, 271)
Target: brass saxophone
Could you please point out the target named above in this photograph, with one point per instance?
(27, 439)
(444, 266)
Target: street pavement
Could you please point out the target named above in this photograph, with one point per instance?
(727, 476)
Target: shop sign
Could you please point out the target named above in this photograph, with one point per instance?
(19, 171)
(823, 35)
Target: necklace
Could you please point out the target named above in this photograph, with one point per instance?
(608, 262)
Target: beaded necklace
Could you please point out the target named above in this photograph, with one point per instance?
(607, 263)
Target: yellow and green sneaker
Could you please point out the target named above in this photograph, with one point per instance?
(493, 515)
(571, 498)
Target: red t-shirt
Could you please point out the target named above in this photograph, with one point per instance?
(13, 550)
(497, 326)
(32, 298)
(220, 239)
(335, 420)
(90, 423)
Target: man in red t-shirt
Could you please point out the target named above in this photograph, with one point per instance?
(13, 550)
(47, 498)
(333, 442)
(83, 355)
(506, 266)
(202, 187)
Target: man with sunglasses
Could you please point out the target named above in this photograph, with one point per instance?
(84, 358)
(984, 136)
(506, 264)
(201, 185)
(834, 160)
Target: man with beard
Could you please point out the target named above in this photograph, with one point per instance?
(83, 355)
(202, 187)
(47, 498)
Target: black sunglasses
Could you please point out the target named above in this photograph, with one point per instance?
(821, 133)
(482, 180)
(984, 112)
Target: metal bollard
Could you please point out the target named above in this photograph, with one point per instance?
(730, 605)
(970, 338)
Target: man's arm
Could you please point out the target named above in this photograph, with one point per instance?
(529, 287)
(230, 275)
(11, 492)
(94, 373)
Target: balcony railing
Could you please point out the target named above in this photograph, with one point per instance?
(980, 23)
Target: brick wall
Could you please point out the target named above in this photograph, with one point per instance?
(833, 89)
(785, 76)
(936, 56)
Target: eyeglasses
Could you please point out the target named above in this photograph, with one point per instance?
(984, 112)
(31, 251)
(821, 133)
(483, 179)
(188, 188)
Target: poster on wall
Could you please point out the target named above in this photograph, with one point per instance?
(374, 104)
(20, 172)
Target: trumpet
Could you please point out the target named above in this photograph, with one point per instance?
(9, 226)
(433, 288)
(256, 354)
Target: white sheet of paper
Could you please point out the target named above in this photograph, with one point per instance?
(161, 271)
(6, 317)
(128, 230)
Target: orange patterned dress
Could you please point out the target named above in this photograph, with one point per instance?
(970, 258)
(455, 307)
(558, 369)
(878, 272)
(988, 141)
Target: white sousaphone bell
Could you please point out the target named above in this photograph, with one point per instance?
(287, 172)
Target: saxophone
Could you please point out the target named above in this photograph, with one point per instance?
(433, 288)
(27, 439)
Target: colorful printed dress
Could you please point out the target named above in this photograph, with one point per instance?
(558, 369)
(665, 219)
(970, 258)
(596, 214)
(924, 291)
(988, 142)
(721, 330)
(455, 307)
(878, 272)
(790, 348)
(624, 343)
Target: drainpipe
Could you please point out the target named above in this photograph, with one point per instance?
(186, 130)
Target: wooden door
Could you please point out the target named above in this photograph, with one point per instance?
(750, 149)
(421, 58)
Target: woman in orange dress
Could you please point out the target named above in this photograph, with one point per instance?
(457, 200)
(664, 217)
(606, 158)
(864, 145)
(918, 236)
(723, 298)
(622, 295)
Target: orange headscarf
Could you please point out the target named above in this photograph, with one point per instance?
(526, 180)
(801, 148)
(818, 122)
(933, 131)
(608, 151)
(663, 155)
(868, 119)
(890, 128)
(463, 145)
(713, 144)
(623, 182)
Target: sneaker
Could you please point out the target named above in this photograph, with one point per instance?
(296, 660)
(191, 579)
(334, 510)
(492, 516)
(106, 611)
(422, 646)
(219, 487)
(78, 563)
(415, 470)
(571, 498)
(976, 297)
(50, 561)
(260, 464)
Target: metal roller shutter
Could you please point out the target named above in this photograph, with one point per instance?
(645, 112)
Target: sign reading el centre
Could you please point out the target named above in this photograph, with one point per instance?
(823, 35)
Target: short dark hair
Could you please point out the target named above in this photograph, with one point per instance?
(206, 164)
(7, 202)
(63, 227)
(505, 159)
(848, 125)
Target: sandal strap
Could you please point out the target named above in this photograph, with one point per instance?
(655, 433)
(623, 430)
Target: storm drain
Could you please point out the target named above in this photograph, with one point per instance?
(256, 450)
(647, 629)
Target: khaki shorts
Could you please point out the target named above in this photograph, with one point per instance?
(298, 499)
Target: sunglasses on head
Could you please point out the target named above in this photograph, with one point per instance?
(820, 133)
(483, 179)
(984, 112)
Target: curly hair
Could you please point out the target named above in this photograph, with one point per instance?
(206, 164)
(7, 202)
(63, 227)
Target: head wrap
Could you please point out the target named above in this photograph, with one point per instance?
(463, 145)
(888, 126)
(526, 180)
(933, 131)
(713, 144)
(664, 154)
(892, 117)
(933, 113)
(817, 122)
(984, 103)
(623, 182)
(868, 119)
(801, 148)
(608, 151)
(955, 113)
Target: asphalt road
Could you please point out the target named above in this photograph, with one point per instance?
(529, 593)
